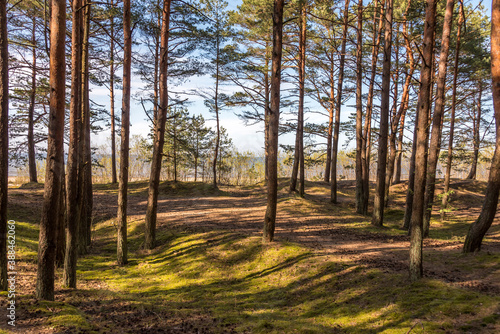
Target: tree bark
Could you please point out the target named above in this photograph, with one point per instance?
(216, 107)
(112, 93)
(405, 97)
(378, 204)
(4, 142)
(298, 165)
(330, 121)
(437, 120)
(31, 112)
(366, 139)
(423, 107)
(449, 158)
(394, 117)
(84, 140)
(476, 129)
(360, 191)
(479, 228)
(122, 250)
(274, 118)
(61, 224)
(336, 130)
(89, 202)
(159, 140)
(48, 223)
(72, 191)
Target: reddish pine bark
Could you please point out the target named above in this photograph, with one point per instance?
(48, 223)
(274, 117)
(122, 250)
(378, 204)
(72, 191)
(437, 120)
(449, 158)
(340, 85)
(423, 107)
(159, 139)
(479, 228)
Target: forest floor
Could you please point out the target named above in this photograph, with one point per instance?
(329, 270)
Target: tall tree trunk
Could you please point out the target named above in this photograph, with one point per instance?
(449, 158)
(405, 97)
(156, 69)
(330, 120)
(72, 191)
(266, 110)
(423, 107)
(159, 141)
(340, 84)
(84, 141)
(4, 142)
(302, 79)
(31, 111)
(274, 118)
(52, 188)
(298, 164)
(476, 129)
(366, 139)
(437, 120)
(360, 191)
(394, 117)
(216, 107)
(378, 204)
(112, 94)
(122, 253)
(89, 204)
(479, 228)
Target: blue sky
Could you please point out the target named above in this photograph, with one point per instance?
(244, 137)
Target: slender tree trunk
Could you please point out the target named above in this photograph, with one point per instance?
(479, 228)
(476, 140)
(423, 107)
(159, 141)
(437, 120)
(174, 148)
(330, 120)
(52, 188)
(302, 79)
(31, 112)
(61, 224)
(266, 111)
(449, 159)
(216, 107)
(274, 118)
(298, 164)
(72, 191)
(84, 141)
(366, 139)
(340, 84)
(89, 205)
(156, 74)
(394, 117)
(122, 253)
(360, 192)
(112, 94)
(4, 142)
(378, 204)
(405, 97)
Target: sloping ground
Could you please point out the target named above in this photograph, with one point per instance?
(329, 271)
